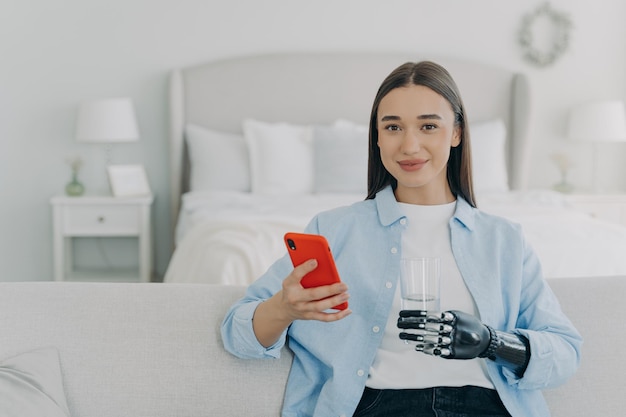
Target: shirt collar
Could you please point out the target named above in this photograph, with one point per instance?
(387, 206)
(464, 213)
(389, 211)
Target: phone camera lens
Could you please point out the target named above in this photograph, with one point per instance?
(291, 244)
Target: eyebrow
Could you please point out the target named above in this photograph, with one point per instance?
(420, 117)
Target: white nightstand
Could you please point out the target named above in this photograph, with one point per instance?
(101, 217)
(608, 207)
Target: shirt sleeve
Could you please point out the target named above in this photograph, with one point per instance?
(555, 343)
(237, 331)
(238, 334)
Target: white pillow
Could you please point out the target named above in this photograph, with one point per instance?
(340, 158)
(281, 157)
(31, 385)
(219, 160)
(489, 156)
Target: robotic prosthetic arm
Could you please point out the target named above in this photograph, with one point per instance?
(458, 335)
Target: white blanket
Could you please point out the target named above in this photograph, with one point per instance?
(228, 252)
(232, 238)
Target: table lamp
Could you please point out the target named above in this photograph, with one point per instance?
(107, 121)
(597, 122)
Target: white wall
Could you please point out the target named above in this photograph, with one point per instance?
(55, 54)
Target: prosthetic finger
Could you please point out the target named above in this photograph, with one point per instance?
(433, 350)
(426, 338)
(420, 316)
(421, 324)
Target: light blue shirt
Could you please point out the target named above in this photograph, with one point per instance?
(331, 360)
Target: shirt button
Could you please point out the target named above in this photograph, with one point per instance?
(360, 372)
(394, 250)
(375, 329)
(402, 222)
(388, 284)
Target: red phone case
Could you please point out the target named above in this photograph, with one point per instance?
(301, 248)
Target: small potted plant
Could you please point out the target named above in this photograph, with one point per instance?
(74, 188)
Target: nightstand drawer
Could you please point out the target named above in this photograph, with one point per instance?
(100, 220)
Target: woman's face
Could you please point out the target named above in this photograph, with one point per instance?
(415, 133)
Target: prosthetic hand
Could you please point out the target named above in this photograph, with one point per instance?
(458, 335)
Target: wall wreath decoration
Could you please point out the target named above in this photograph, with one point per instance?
(558, 27)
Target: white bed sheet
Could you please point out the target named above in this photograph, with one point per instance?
(232, 237)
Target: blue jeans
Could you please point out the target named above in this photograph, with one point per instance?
(431, 402)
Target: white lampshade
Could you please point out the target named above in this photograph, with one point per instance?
(107, 120)
(603, 121)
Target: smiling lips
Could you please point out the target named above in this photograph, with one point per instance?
(412, 165)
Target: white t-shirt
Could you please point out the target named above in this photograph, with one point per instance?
(397, 365)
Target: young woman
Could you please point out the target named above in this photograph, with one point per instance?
(499, 313)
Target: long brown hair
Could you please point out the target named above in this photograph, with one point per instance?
(438, 79)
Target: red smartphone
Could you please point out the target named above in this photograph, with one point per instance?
(301, 248)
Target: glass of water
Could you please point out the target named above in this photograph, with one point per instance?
(419, 284)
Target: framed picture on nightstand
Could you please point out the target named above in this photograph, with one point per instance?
(128, 180)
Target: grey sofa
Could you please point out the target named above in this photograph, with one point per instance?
(154, 350)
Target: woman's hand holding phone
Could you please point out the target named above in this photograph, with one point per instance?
(308, 293)
(312, 303)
